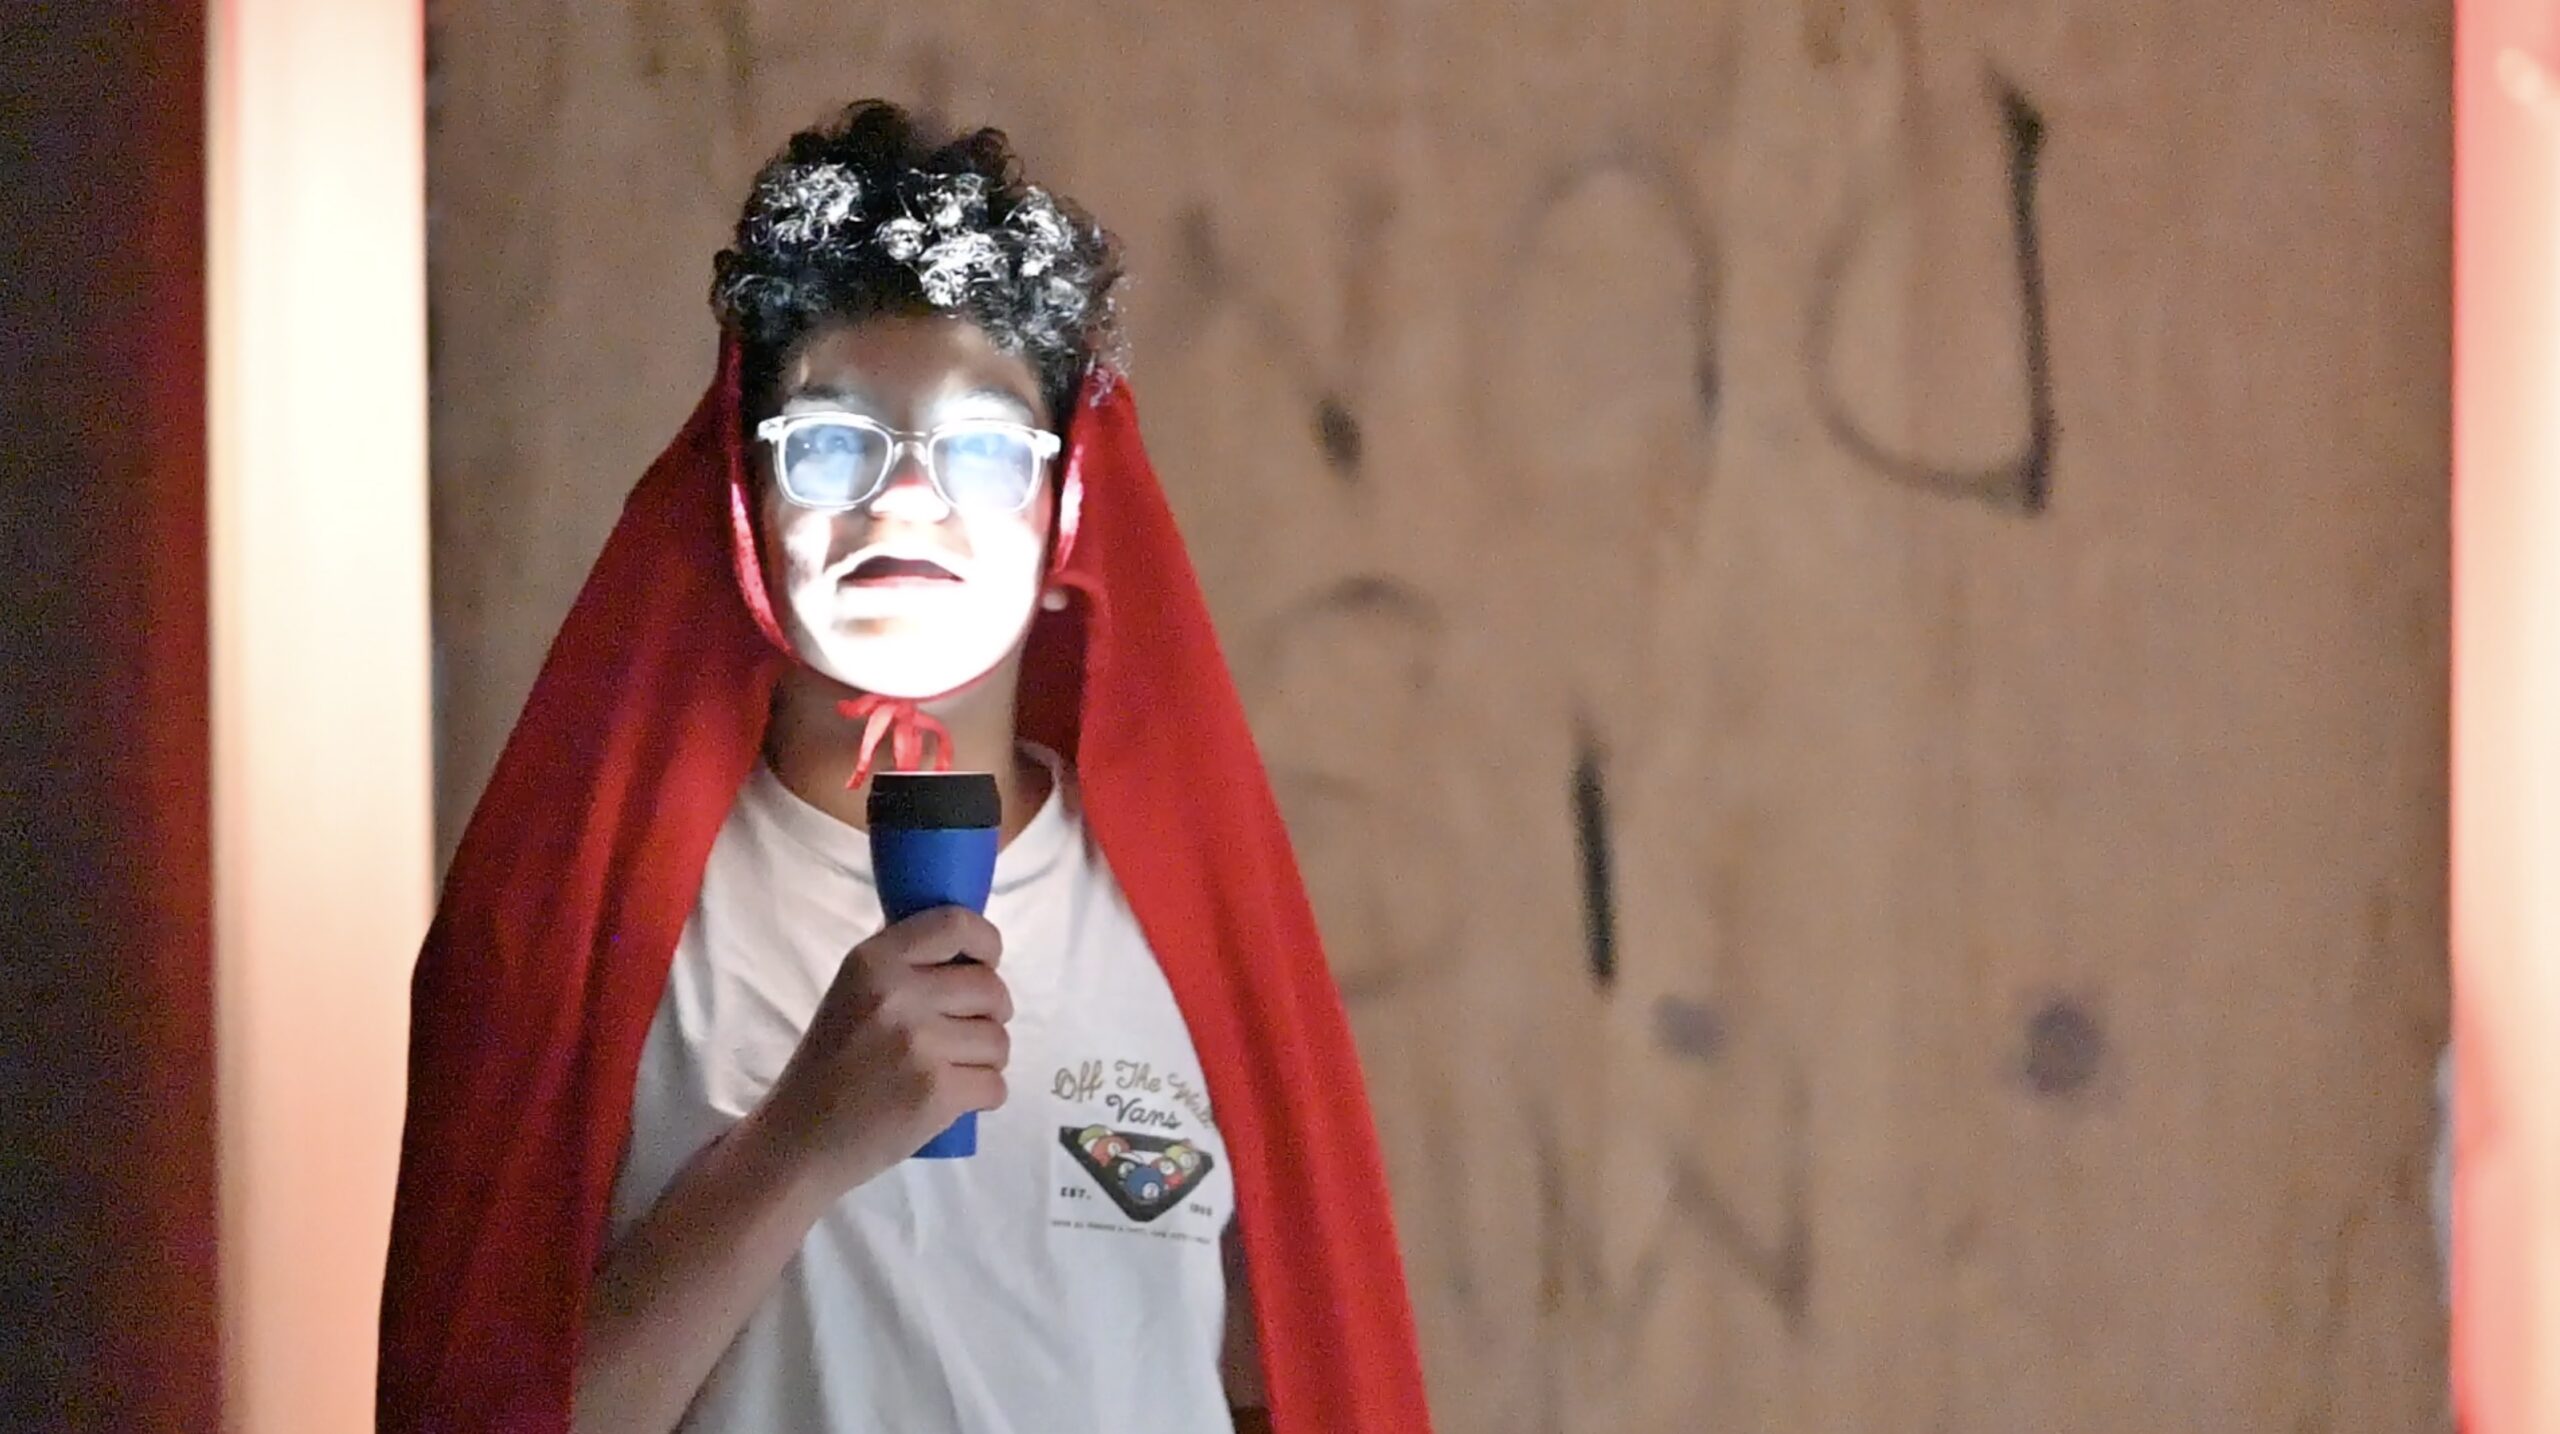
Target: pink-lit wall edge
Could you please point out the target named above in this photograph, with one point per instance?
(322, 817)
(2506, 740)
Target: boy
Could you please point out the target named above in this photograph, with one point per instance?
(667, 1068)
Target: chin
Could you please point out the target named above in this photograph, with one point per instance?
(906, 666)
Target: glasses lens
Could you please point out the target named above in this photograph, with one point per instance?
(992, 469)
(832, 465)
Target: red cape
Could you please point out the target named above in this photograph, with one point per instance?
(582, 861)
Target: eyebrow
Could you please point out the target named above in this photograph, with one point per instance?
(838, 394)
(859, 401)
(1001, 397)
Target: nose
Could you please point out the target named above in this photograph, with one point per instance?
(907, 495)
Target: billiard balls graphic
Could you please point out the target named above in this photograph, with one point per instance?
(1144, 1182)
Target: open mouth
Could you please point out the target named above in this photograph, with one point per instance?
(887, 572)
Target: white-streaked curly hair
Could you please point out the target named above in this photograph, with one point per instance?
(868, 215)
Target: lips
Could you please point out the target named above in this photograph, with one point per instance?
(888, 571)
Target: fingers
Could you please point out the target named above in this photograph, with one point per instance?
(980, 1044)
(965, 991)
(947, 933)
(977, 1087)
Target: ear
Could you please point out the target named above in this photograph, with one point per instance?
(1090, 393)
(1062, 531)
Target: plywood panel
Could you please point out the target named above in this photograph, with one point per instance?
(1934, 510)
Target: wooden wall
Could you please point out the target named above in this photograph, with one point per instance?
(1848, 598)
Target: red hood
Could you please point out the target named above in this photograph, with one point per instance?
(582, 861)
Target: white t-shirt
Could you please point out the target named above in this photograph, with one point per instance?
(1067, 1276)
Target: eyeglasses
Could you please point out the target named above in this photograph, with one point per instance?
(840, 460)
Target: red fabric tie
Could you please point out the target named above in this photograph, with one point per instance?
(908, 727)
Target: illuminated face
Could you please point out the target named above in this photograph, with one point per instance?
(904, 502)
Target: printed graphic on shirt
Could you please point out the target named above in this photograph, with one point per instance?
(1145, 1175)
(1136, 1150)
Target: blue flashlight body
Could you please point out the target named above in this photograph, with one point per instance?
(933, 843)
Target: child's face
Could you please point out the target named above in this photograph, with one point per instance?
(921, 587)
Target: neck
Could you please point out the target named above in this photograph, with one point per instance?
(813, 747)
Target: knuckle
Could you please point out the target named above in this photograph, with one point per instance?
(876, 963)
(943, 1089)
(902, 1047)
(878, 991)
(889, 1005)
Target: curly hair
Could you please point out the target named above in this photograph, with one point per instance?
(870, 214)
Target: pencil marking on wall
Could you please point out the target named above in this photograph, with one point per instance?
(1592, 842)
(2023, 482)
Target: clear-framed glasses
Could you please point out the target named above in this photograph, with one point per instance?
(842, 460)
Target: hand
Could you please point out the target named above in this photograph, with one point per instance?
(903, 1042)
